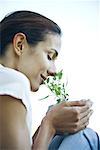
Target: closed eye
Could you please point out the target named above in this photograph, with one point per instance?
(49, 58)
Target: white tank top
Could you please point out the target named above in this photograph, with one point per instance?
(16, 84)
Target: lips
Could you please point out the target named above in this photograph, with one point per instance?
(43, 78)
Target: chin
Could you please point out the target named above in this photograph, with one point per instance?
(34, 89)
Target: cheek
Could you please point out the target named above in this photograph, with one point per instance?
(44, 63)
(35, 65)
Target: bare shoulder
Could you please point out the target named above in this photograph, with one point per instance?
(13, 127)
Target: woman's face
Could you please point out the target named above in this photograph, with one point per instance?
(38, 62)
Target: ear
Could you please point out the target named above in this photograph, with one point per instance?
(19, 43)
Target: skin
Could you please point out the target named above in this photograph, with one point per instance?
(13, 129)
(34, 62)
(37, 63)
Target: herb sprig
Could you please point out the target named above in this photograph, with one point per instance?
(56, 86)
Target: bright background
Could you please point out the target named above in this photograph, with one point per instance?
(80, 54)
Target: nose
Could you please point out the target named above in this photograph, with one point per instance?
(52, 69)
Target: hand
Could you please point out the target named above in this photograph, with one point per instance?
(70, 116)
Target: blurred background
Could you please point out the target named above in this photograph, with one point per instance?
(80, 54)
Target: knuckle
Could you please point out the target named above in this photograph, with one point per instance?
(75, 130)
(76, 112)
(77, 118)
(76, 125)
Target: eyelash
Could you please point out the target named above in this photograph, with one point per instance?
(49, 58)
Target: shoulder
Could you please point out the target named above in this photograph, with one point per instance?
(15, 84)
(11, 75)
(14, 132)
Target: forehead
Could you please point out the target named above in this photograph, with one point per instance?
(51, 45)
(53, 42)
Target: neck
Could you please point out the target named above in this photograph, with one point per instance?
(6, 63)
(8, 60)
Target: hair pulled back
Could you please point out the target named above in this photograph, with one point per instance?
(33, 25)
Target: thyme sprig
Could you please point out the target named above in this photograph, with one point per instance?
(56, 86)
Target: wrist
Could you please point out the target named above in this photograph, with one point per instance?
(45, 135)
(47, 124)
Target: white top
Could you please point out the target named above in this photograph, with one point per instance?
(16, 84)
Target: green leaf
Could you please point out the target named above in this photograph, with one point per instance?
(57, 87)
(44, 97)
(54, 78)
(59, 75)
(48, 80)
(57, 92)
(58, 100)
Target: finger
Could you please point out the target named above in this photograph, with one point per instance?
(86, 118)
(79, 103)
(83, 126)
(83, 122)
(76, 103)
(85, 108)
(89, 102)
(86, 113)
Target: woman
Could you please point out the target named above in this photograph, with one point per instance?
(29, 45)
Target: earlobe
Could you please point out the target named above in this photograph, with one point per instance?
(19, 43)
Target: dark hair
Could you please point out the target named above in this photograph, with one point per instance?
(33, 25)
